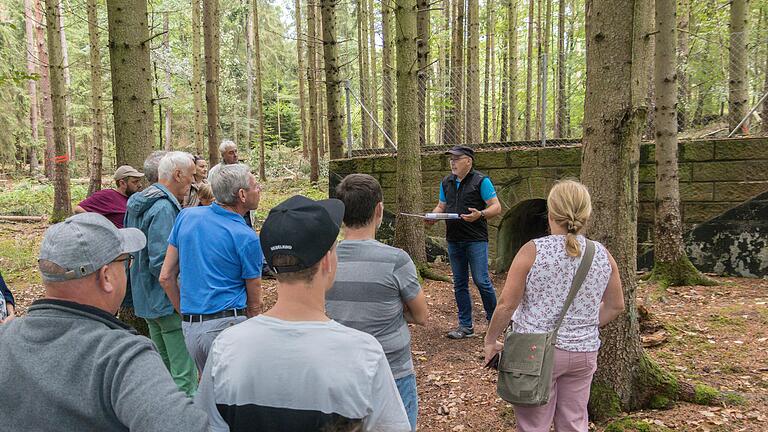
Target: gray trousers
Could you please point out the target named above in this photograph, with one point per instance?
(199, 336)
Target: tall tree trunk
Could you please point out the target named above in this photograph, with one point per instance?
(568, 85)
(617, 35)
(333, 80)
(374, 82)
(765, 90)
(504, 89)
(489, 21)
(671, 265)
(512, 67)
(62, 206)
(168, 84)
(422, 53)
(323, 126)
(249, 75)
(29, 32)
(445, 69)
(454, 122)
(363, 68)
(409, 233)
(314, 167)
(473, 73)
(258, 84)
(387, 71)
(131, 81)
(738, 86)
(560, 104)
(97, 112)
(494, 106)
(211, 36)
(683, 48)
(67, 84)
(529, 73)
(45, 91)
(300, 38)
(197, 87)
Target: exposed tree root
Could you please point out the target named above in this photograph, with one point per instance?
(427, 272)
(678, 273)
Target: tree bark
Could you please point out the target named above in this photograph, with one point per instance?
(62, 206)
(314, 170)
(454, 122)
(29, 32)
(131, 81)
(374, 81)
(67, 84)
(489, 21)
(738, 86)
(387, 71)
(422, 53)
(197, 87)
(529, 73)
(322, 127)
(168, 84)
(494, 105)
(617, 37)
(473, 73)
(512, 68)
(211, 36)
(560, 104)
(332, 80)
(504, 98)
(409, 232)
(258, 84)
(683, 48)
(765, 90)
(97, 111)
(45, 91)
(363, 69)
(249, 77)
(300, 38)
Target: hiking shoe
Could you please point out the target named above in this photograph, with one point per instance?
(460, 333)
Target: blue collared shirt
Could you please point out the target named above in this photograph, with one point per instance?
(217, 253)
(487, 191)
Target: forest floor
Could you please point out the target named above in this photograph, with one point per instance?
(712, 335)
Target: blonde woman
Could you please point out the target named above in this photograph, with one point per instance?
(535, 291)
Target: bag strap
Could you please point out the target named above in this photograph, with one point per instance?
(578, 280)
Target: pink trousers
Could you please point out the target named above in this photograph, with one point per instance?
(568, 397)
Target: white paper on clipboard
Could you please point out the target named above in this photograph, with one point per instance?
(434, 216)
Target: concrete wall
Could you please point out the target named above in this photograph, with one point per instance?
(715, 176)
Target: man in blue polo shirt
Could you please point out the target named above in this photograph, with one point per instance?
(219, 259)
(471, 194)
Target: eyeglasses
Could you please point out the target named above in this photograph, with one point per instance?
(456, 159)
(128, 261)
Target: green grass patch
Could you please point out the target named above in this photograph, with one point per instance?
(273, 193)
(19, 260)
(31, 198)
(719, 320)
(634, 425)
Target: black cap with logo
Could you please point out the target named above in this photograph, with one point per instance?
(303, 228)
(460, 150)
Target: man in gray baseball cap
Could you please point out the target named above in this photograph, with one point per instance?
(69, 364)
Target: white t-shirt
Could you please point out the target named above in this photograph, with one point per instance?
(275, 375)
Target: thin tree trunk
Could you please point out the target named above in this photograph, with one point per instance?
(409, 233)
(454, 123)
(277, 113)
(765, 90)
(504, 98)
(323, 126)
(258, 84)
(683, 48)
(422, 53)
(445, 68)
(131, 81)
(568, 84)
(529, 76)
(29, 32)
(168, 84)
(560, 104)
(62, 206)
(738, 86)
(211, 36)
(512, 68)
(374, 82)
(362, 49)
(249, 75)
(387, 71)
(332, 80)
(489, 21)
(197, 87)
(314, 170)
(67, 84)
(473, 73)
(302, 73)
(97, 111)
(45, 91)
(494, 106)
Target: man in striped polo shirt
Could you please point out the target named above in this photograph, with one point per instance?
(377, 287)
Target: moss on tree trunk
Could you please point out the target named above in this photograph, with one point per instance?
(678, 273)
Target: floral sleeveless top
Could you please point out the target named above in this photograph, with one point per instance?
(547, 286)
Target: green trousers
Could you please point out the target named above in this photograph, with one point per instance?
(166, 333)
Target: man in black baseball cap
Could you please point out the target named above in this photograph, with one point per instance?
(297, 347)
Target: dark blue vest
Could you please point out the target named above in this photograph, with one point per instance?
(459, 201)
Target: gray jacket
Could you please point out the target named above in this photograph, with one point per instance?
(73, 367)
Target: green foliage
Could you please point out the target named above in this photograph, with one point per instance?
(19, 258)
(30, 198)
(634, 425)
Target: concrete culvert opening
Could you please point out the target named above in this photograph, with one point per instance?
(524, 222)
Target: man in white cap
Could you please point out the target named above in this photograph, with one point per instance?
(69, 364)
(111, 203)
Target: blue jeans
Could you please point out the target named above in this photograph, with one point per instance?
(406, 386)
(472, 255)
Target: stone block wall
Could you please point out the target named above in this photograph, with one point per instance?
(715, 176)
